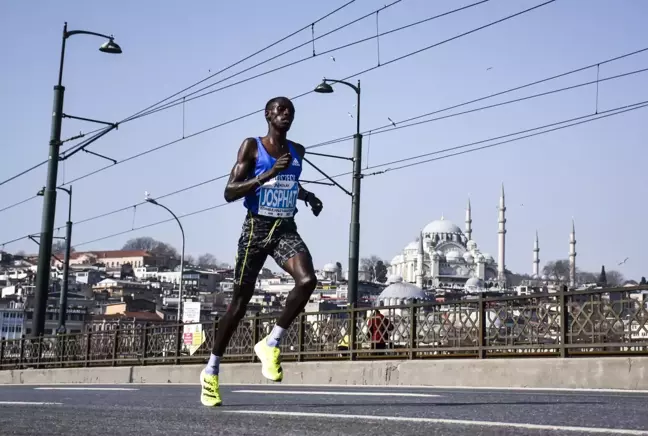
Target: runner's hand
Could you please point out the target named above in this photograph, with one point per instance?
(281, 164)
(315, 203)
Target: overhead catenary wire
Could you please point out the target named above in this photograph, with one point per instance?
(517, 100)
(175, 141)
(309, 57)
(138, 113)
(398, 127)
(581, 120)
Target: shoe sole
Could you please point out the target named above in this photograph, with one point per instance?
(263, 370)
(203, 385)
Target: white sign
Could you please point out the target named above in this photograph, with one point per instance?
(193, 336)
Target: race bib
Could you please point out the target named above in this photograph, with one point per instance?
(278, 197)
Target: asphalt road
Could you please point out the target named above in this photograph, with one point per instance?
(143, 410)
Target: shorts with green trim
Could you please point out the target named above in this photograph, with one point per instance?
(261, 237)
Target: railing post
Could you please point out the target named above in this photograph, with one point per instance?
(300, 337)
(144, 343)
(255, 335)
(21, 357)
(115, 346)
(179, 341)
(353, 318)
(413, 330)
(61, 348)
(39, 349)
(88, 348)
(564, 320)
(481, 340)
(2, 348)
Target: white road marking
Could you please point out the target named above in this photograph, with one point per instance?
(83, 389)
(357, 394)
(27, 403)
(608, 431)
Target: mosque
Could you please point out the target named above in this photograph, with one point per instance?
(444, 257)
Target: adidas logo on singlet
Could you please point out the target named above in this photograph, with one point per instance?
(295, 162)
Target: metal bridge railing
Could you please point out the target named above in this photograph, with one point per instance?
(599, 322)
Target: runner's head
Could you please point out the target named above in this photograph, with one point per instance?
(280, 113)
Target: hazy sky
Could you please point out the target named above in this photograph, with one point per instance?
(591, 172)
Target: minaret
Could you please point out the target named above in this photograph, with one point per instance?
(419, 263)
(501, 258)
(536, 257)
(572, 256)
(468, 222)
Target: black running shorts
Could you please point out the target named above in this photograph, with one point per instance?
(262, 236)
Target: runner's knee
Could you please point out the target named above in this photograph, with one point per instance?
(307, 282)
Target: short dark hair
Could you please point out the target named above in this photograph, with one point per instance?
(272, 101)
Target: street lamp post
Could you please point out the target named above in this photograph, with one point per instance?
(354, 228)
(66, 260)
(153, 201)
(49, 194)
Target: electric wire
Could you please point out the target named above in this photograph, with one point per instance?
(202, 183)
(579, 121)
(159, 147)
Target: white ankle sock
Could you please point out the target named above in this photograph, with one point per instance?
(275, 336)
(213, 366)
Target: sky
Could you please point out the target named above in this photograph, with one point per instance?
(590, 173)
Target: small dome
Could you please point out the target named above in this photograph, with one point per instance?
(488, 258)
(330, 267)
(468, 257)
(471, 245)
(397, 259)
(441, 226)
(394, 278)
(402, 291)
(453, 256)
(480, 258)
(474, 284)
(412, 246)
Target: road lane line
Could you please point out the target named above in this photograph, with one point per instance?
(357, 394)
(608, 431)
(28, 403)
(84, 389)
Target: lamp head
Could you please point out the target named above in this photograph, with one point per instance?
(324, 88)
(110, 46)
(41, 193)
(147, 198)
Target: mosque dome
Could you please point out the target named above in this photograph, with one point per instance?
(441, 226)
(412, 246)
(330, 267)
(402, 291)
(468, 257)
(453, 256)
(474, 284)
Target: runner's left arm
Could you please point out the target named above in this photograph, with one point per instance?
(307, 196)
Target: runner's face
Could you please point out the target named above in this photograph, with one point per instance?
(282, 115)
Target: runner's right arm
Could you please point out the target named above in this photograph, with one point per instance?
(238, 185)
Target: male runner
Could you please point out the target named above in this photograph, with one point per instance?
(267, 174)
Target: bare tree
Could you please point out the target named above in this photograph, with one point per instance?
(207, 260)
(368, 264)
(58, 247)
(557, 270)
(614, 278)
(189, 259)
(152, 245)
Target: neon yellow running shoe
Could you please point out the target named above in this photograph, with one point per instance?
(209, 395)
(270, 360)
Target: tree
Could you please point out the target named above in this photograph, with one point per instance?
(643, 281)
(152, 245)
(380, 270)
(614, 278)
(368, 264)
(207, 260)
(557, 270)
(602, 281)
(59, 247)
(189, 260)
